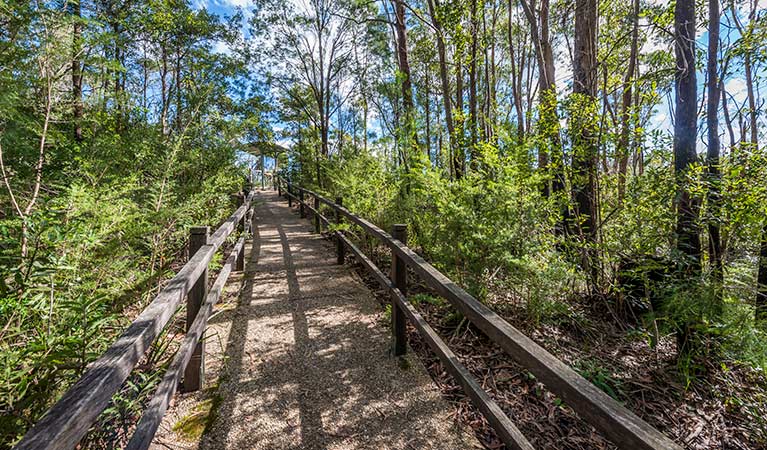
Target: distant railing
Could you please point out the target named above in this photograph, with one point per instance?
(65, 424)
(623, 427)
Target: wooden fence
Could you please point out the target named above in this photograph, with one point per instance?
(65, 424)
(621, 426)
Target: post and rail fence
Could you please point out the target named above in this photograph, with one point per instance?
(621, 426)
(69, 419)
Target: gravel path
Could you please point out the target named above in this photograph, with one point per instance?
(306, 360)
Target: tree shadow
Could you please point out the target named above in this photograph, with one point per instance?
(308, 359)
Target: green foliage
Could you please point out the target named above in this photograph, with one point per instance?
(418, 299)
(97, 233)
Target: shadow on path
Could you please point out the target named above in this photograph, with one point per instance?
(308, 363)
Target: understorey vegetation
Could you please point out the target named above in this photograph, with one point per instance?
(119, 129)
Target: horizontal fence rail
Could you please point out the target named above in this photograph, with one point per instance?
(621, 426)
(68, 421)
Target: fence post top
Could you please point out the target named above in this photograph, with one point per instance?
(199, 230)
(399, 232)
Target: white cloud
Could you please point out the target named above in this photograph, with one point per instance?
(246, 5)
(736, 88)
(222, 47)
(234, 3)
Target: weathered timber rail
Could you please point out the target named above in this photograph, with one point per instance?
(68, 421)
(621, 426)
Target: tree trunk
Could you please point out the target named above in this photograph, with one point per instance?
(119, 86)
(516, 88)
(427, 111)
(761, 280)
(144, 80)
(624, 144)
(685, 130)
(712, 154)
(726, 111)
(178, 91)
(550, 157)
(411, 139)
(461, 136)
(77, 71)
(164, 94)
(474, 31)
(747, 69)
(585, 145)
(443, 74)
(490, 77)
(365, 125)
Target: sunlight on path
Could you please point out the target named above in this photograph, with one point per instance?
(307, 362)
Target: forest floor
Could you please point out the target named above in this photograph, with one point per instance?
(725, 407)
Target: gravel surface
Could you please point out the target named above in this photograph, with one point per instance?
(306, 358)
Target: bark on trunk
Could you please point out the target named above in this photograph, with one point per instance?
(712, 154)
(473, 81)
(550, 157)
(77, 73)
(444, 79)
(761, 288)
(685, 130)
(516, 72)
(427, 111)
(461, 136)
(411, 141)
(585, 146)
(624, 145)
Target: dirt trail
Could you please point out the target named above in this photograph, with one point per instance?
(301, 357)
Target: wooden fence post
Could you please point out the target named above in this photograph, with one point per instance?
(317, 228)
(340, 249)
(243, 228)
(263, 172)
(194, 374)
(301, 203)
(290, 191)
(241, 222)
(399, 278)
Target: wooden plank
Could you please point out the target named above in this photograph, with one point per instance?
(158, 405)
(623, 427)
(67, 421)
(226, 228)
(507, 431)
